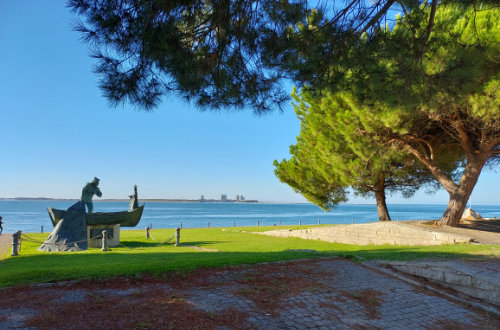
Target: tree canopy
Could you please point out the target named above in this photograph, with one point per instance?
(332, 155)
(439, 105)
(228, 54)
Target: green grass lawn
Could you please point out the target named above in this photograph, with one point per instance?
(211, 247)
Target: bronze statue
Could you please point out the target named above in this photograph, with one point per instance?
(89, 191)
(134, 200)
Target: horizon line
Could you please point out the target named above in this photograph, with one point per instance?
(206, 201)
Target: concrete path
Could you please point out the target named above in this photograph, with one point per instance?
(326, 293)
(5, 244)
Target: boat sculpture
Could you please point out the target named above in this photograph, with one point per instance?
(123, 218)
(128, 218)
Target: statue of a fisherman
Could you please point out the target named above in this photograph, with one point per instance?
(134, 200)
(90, 189)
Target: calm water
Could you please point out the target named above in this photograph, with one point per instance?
(29, 216)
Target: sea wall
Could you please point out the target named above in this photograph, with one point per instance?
(479, 279)
(397, 233)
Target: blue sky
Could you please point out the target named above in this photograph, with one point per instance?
(58, 132)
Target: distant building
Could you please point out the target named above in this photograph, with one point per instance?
(238, 198)
(242, 198)
(223, 197)
(202, 197)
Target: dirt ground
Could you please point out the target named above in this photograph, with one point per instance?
(325, 293)
(484, 231)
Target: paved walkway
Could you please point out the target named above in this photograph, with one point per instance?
(5, 244)
(327, 293)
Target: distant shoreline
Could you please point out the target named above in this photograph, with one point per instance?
(166, 200)
(181, 200)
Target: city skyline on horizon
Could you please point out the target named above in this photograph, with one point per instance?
(203, 199)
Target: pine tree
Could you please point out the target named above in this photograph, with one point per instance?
(331, 155)
(441, 104)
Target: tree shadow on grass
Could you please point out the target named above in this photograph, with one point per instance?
(397, 254)
(142, 244)
(51, 267)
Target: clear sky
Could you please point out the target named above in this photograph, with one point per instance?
(57, 131)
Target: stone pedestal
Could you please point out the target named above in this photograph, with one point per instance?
(95, 239)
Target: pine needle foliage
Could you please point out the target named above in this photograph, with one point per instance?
(229, 54)
(332, 154)
(437, 100)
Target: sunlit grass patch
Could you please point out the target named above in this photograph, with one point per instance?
(200, 248)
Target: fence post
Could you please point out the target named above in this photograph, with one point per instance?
(147, 231)
(15, 243)
(104, 243)
(177, 236)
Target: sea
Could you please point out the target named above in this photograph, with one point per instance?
(31, 216)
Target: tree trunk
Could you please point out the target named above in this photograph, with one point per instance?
(459, 197)
(383, 213)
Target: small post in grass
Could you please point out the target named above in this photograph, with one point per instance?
(147, 232)
(104, 243)
(177, 236)
(15, 243)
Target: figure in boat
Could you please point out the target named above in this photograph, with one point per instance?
(90, 189)
(134, 200)
(73, 227)
(128, 218)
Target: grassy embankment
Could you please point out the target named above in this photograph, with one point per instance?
(211, 247)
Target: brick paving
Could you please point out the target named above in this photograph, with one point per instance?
(326, 293)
